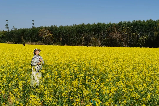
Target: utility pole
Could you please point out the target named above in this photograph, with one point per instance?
(7, 25)
(32, 23)
(32, 29)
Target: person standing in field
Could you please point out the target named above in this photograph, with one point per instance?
(36, 64)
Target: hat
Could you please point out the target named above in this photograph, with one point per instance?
(36, 50)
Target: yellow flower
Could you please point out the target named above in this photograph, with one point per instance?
(75, 74)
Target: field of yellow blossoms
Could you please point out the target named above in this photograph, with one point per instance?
(80, 76)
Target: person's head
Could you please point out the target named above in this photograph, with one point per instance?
(36, 51)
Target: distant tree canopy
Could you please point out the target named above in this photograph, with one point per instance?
(122, 34)
(2, 36)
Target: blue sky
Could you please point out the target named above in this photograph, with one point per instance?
(20, 13)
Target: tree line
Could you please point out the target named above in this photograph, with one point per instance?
(123, 34)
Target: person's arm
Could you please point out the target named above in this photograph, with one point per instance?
(42, 61)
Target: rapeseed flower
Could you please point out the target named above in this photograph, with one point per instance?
(75, 75)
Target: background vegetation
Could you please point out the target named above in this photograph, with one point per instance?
(123, 34)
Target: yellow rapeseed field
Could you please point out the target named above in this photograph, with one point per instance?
(80, 76)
